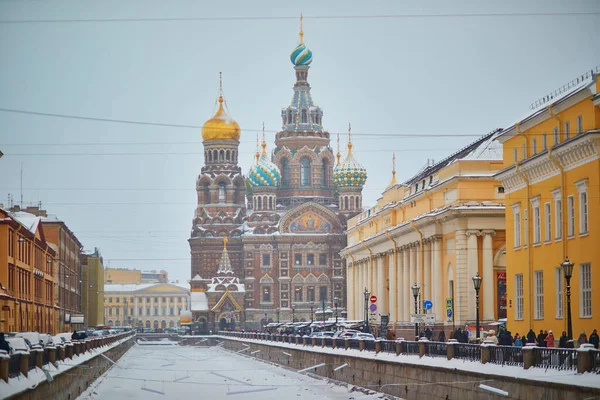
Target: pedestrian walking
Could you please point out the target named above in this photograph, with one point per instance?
(3, 343)
(549, 339)
(594, 339)
(518, 341)
(530, 336)
(563, 341)
(541, 342)
(582, 339)
(442, 337)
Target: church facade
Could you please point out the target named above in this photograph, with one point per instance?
(265, 246)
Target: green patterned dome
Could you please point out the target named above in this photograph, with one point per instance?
(350, 173)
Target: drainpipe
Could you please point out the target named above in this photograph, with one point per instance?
(353, 294)
(562, 196)
(370, 264)
(421, 259)
(529, 243)
(395, 248)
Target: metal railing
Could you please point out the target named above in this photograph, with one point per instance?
(560, 359)
(32, 357)
(353, 344)
(506, 355)
(388, 346)
(436, 349)
(14, 365)
(471, 352)
(410, 347)
(370, 345)
(595, 361)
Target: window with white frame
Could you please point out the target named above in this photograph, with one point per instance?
(583, 206)
(548, 225)
(524, 151)
(538, 290)
(570, 216)
(556, 138)
(585, 283)
(525, 227)
(544, 141)
(534, 146)
(558, 212)
(558, 276)
(579, 124)
(537, 228)
(519, 298)
(515, 155)
(567, 130)
(516, 209)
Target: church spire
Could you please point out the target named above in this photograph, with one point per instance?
(349, 138)
(301, 34)
(257, 155)
(338, 155)
(264, 143)
(225, 262)
(393, 182)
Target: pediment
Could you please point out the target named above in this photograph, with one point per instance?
(310, 218)
(165, 288)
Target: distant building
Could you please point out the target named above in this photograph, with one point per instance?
(148, 305)
(26, 274)
(134, 276)
(93, 291)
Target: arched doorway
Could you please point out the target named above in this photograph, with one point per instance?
(171, 324)
(148, 324)
(155, 324)
(163, 324)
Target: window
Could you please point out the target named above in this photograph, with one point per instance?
(579, 124)
(110, 299)
(537, 228)
(310, 293)
(222, 192)
(325, 173)
(266, 259)
(298, 293)
(118, 299)
(515, 155)
(110, 310)
(517, 226)
(117, 310)
(322, 259)
(323, 293)
(298, 259)
(304, 116)
(534, 146)
(519, 306)
(525, 227)
(544, 142)
(285, 172)
(570, 216)
(585, 283)
(548, 226)
(266, 294)
(556, 138)
(567, 130)
(524, 151)
(305, 172)
(171, 311)
(140, 311)
(538, 289)
(310, 259)
(558, 220)
(583, 206)
(559, 292)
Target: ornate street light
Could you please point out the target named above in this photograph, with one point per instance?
(277, 310)
(567, 268)
(312, 306)
(415, 290)
(335, 303)
(366, 293)
(293, 313)
(477, 285)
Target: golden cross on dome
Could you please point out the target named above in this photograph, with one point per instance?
(264, 143)
(220, 87)
(393, 182)
(349, 138)
(338, 149)
(301, 31)
(257, 155)
(225, 240)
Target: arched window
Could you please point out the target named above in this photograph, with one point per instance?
(155, 324)
(270, 203)
(259, 203)
(215, 155)
(222, 192)
(345, 203)
(221, 155)
(227, 155)
(352, 202)
(304, 117)
(305, 172)
(289, 117)
(325, 173)
(285, 168)
(208, 156)
(147, 324)
(163, 324)
(171, 324)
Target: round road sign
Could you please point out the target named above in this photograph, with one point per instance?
(373, 307)
(373, 299)
(427, 304)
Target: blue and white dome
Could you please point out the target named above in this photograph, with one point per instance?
(264, 172)
(349, 173)
(301, 55)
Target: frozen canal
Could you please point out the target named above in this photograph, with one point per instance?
(174, 372)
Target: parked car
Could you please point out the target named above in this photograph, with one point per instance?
(363, 336)
(33, 338)
(18, 344)
(348, 333)
(61, 339)
(321, 334)
(46, 339)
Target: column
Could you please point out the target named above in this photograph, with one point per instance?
(349, 289)
(487, 290)
(419, 264)
(407, 283)
(400, 289)
(368, 267)
(393, 294)
(472, 268)
(381, 292)
(359, 290)
(427, 271)
(413, 277)
(436, 275)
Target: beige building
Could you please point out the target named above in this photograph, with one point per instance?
(133, 276)
(436, 230)
(93, 290)
(148, 305)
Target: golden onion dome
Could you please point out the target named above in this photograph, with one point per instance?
(220, 126)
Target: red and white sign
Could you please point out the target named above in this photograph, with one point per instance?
(373, 299)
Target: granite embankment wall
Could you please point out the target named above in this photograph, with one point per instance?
(406, 380)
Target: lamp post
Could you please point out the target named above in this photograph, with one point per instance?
(335, 304)
(312, 306)
(477, 285)
(277, 311)
(323, 309)
(366, 293)
(567, 268)
(415, 291)
(293, 313)
(265, 327)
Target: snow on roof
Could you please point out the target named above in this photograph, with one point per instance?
(199, 301)
(29, 221)
(134, 287)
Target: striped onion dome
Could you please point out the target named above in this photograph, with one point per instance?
(264, 172)
(301, 55)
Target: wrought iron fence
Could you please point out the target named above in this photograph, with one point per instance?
(555, 358)
(328, 341)
(32, 357)
(595, 361)
(471, 352)
(436, 349)
(46, 358)
(353, 344)
(506, 355)
(369, 345)
(410, 347)
(14, 366)
(388, 346)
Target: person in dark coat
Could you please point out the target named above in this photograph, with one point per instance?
(530, 336)
(442, 337)
(594, 339)
(563, 341)
(541, 339)
(3, 343)
(75, 335)
(428, 333)
(505, 339)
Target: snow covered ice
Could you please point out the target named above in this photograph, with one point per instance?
(175, 372)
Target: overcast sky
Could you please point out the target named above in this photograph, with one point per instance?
(130, 189)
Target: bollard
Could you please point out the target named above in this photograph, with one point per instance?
(69, 351)
(39, 358)
(333, 343)
(361, 345)
(313, 341)
(323, 341)
(584, 358)
(52, 355)
(346, 343)
(304, 341)
(527, 356)
(486, 354)
(450, 349)
(377, 346)
(24, 365)
(421, 348)
(4, 360)
(398, 348)
(61, 353)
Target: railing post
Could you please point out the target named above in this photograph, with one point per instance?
(333, 343)
(450, 350)
(346, 343)
(421, 349)
(52, 355)
(377, 346)
(486, 354)
(398, 348)
(313, 341)
(69, 351)
(361, 345)
(24, 364)
(39, 358)
(61, 353)
(584, 358)
(323, 341)
(527, 356)
(4, 360)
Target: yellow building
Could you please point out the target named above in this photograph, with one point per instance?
(132, 276)
(26, 275)
(148, 305)
(438, 230)
(552, 186)
(92, 293)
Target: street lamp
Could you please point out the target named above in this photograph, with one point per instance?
(335, 303)
(415, 291)
(293, 313)
(567, 268)
(366, 293)
(312, 306)
(477, 285)
(265, 327)
(277, 311)
(323, 309)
